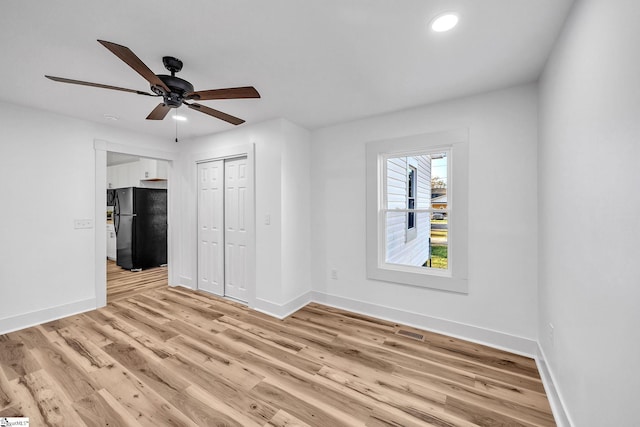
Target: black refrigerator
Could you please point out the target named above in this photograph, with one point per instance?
(140, 221)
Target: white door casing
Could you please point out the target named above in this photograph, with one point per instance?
(211, 227)
(235, 228)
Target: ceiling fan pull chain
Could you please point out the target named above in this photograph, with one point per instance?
(176, 115)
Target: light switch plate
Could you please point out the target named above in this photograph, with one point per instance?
(82, 223)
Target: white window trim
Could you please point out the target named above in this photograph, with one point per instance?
(454, 279)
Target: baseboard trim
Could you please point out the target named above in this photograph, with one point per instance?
(555, 399)
(500, 340)
(33, 318)
(180, 285)
(186, 282)
(281, 311)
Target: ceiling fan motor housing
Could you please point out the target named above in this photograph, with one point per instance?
(178, 87)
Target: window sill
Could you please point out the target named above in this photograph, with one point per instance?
(431, 279)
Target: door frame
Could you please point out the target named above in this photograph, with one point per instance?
(101, 147)
(229, 152)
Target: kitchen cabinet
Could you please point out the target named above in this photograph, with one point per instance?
(131, 174)
(123, 175)
(111, 242)
(153, 170)
(110, 177)
(115, 176)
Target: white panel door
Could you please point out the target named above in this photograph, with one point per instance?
(235, 233)
(211, 227)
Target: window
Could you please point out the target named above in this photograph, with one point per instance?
(411, 200)
(415, 234)
(407, 206)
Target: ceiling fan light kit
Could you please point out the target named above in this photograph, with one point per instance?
(444, 22)
(173, 90)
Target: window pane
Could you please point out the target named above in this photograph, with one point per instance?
(439, 221)
(396, 185)
(400, 251)
(411, 221)
(417, 239)
(411, 196)
(439, 241)
(428, 249)
(439, 180)
(411, 181)
(394, 226)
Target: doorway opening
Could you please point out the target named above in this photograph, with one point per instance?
(136, 208)
(224, 212)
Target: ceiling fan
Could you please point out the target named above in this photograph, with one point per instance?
(173, 90)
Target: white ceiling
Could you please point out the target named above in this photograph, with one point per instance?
(314, 62)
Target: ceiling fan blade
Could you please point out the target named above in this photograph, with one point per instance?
(80, 82)
(229, 93)
(159, 112)
(130, 58)
(215, 113)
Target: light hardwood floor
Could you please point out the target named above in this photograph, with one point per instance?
(159, 356)
(123, 283)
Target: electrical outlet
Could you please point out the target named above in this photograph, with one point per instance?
(551, 334)
(334, 274)
(82, 223)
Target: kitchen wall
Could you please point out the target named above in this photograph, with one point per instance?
(501, 306)
(589, 213)
(282, 270)
(47, 171)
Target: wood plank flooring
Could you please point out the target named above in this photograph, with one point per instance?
(123, 283)
(160, 356)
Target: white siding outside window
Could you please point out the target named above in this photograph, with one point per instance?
(407, 241)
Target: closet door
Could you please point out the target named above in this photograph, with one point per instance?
(211, 227)
(235, 228)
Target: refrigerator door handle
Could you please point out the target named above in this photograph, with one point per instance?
(116, 213)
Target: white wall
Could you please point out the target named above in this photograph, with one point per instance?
(282, 193)
(589, 183)
(502, 216)
(296, 212)
(47, 171)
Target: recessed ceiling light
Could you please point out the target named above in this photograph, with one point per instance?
(110, 117)
(179, 118)
(444, 22)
